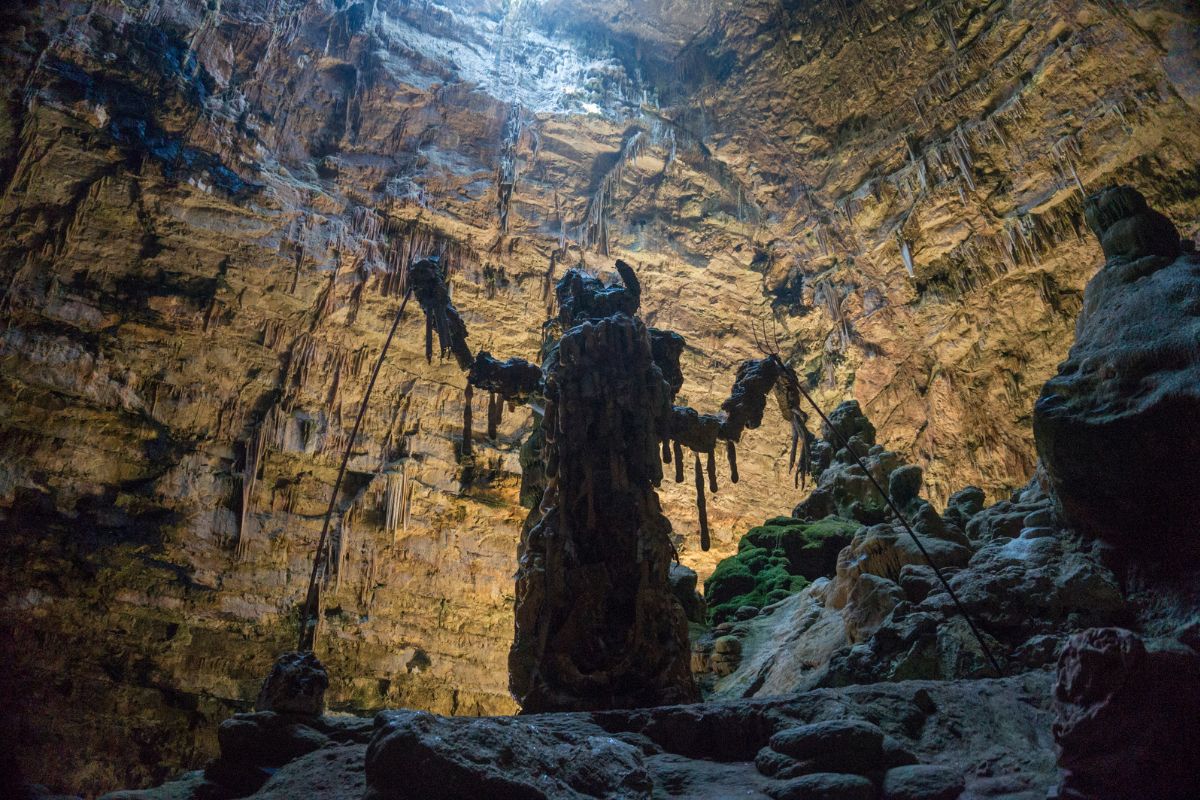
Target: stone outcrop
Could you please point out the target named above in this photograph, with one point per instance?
(980, 739)
(296, 685)
(1127, 715)
(880, 612)
(774, 560)
(1118, 429)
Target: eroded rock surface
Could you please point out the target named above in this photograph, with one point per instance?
(1127, 712)
(880, 612)
(1116, 428)
(846, 743)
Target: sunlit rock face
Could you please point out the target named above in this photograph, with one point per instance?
(209, 208)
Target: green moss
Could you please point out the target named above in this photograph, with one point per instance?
(775, 560)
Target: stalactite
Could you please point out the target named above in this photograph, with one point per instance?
(429, 340)
(731, 456)
(906, 255)
(711, 466)
(396, 497)
(666, 451)
(468, 393)
(343, 550)
(678, 451)
(495, 414)
(256, 447)
(594, 229)
(701, 506)
(366, 590)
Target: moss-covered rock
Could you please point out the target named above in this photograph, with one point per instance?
(774, 560)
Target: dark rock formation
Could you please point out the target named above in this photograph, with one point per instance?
(598, 621)
(417, 755)
(1118, 429)
(683, 585)
(922, 782)
(1127, 717)
(296, 685)
(847, 743)
(597, 625)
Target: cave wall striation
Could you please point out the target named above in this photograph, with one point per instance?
(208, 213)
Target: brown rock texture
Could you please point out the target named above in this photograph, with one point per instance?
(209, 208)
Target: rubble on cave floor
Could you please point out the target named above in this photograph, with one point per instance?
(792, 610)
(920, 739)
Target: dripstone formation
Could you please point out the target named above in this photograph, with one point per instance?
(598, 624)
(1129, 391)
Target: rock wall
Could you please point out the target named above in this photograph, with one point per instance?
(209, 209)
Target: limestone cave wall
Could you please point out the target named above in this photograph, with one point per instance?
(209, 208)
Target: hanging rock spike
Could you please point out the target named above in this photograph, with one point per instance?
(701, 506)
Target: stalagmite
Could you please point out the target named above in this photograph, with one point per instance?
(701, 507)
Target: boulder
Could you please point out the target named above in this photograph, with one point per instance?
(415, 754)
(922, 782)
(296, 685)
(683, 582)
(1127, 717)
(1118, 428)
(825, 786)
(845, 745)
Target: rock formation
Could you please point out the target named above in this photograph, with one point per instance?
(1129, 392)
(1041, 591)
(1127, 713)
(598, 621)
(210, 208)
(959, 739)
(877, 611)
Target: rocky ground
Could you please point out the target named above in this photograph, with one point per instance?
(918, 740)
(208, 211)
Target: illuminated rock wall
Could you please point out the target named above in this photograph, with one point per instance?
(208, 210)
